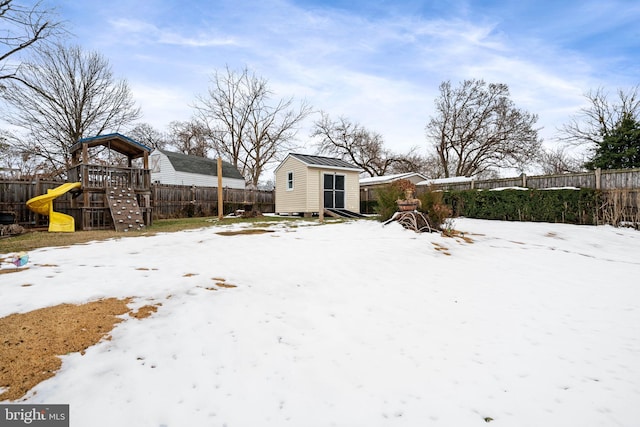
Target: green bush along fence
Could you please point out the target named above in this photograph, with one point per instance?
(567, 206)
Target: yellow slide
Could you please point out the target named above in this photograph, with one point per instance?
(43, 205)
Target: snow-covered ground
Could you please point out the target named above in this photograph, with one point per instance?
(352, 324)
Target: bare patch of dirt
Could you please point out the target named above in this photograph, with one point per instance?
(247, 231)
(30, 343)
(225, 285)
(459, 235)
(189, 274)
(221, 283)
(12, 270)
(438, 247)
(145, 311)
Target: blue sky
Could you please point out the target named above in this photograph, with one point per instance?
(376, 62)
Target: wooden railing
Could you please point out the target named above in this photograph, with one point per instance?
(101, 177)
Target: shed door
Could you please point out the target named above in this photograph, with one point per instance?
(334, 191)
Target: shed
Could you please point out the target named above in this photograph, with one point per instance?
(168, 167)
(304, 182)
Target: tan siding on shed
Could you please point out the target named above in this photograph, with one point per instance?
(306, 195)
(291, 201)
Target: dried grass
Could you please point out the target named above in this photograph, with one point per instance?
(30, 343)
(245, 231)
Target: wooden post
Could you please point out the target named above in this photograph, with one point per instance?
(321, 198)
(598, 178)
(220, 198)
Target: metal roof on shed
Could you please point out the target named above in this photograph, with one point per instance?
(324, 161)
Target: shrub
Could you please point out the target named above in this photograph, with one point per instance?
(433, 206)
(387, 197)
(569, 206)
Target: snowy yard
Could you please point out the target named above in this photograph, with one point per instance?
(351, 324)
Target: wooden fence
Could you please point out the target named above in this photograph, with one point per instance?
(167, 201)
(618, 179)
(174, 201)
(610, 182)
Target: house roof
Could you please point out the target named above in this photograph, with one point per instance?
(450, 180)
(115, 141)
(386, 179)
(200, 165)
(324, 162)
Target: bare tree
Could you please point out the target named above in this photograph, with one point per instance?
(64, 95)
(245, 125)
(352, 142)
(428, 165)
(22, 28)
(601, 116)
(16, 162)
(146, 134)
(477, 128)
(189, 137)
(557, 161)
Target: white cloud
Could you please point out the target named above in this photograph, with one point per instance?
(137, 31)
(382, 70)
(161, 104)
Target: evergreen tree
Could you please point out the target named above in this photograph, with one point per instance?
(620, 148)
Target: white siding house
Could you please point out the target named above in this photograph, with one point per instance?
(377, 181)
(168, 167)
(304, 183)
(369, 185)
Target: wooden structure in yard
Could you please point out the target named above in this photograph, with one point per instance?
(115, 191)
(308, 185)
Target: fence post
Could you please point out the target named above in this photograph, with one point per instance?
(524, 180)
(320, 198)
(220, 198)
(598, 178)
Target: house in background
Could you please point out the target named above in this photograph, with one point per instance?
(306, 184)
(451, 183)
(368, 187)
(172, 168)
(377, 181)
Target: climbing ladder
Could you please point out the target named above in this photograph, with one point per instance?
(126, 213)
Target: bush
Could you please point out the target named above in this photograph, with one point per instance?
(433, 206)
(387, 197)
(567, 206)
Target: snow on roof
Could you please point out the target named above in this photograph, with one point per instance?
(384, 179)
(450, 180)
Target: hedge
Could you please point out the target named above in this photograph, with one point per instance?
(577, 206)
